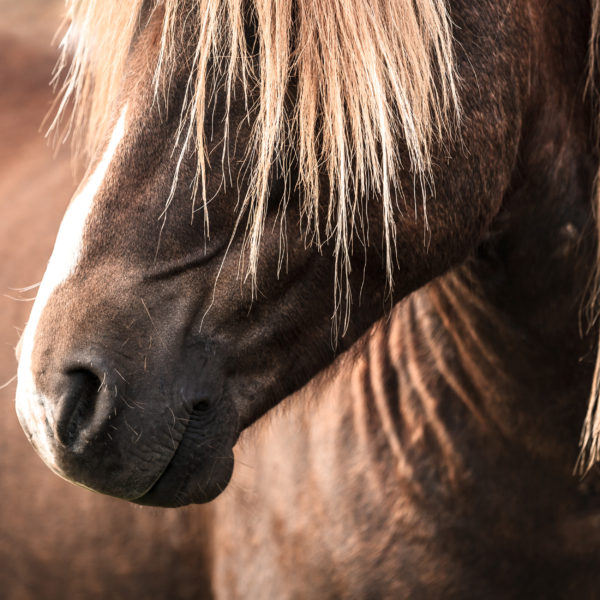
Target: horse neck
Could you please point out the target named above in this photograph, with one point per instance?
(485, 366)
(503, 336)
(485, 370)
(492, 355)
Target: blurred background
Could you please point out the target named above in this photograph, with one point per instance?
(56, 540)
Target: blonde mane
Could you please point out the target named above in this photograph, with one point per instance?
(590, 436)
(367, 73)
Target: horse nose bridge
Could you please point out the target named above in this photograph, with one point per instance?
(83, 320)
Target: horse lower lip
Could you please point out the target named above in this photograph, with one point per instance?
(198, 470)
(175, 486)
(149, 492)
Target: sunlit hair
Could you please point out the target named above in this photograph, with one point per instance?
(369, 74)
(590, 436)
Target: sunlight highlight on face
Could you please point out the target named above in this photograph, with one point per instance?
(34, 418)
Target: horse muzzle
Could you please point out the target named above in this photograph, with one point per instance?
(161, 434)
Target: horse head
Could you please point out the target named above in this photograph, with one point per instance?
(243, 219)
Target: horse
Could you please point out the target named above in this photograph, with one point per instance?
(58, 541)
(347, 249)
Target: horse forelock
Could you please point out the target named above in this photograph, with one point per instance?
(365, 73)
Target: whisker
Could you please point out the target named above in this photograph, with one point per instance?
(102, 383)
(120, 375)
(18, 299)
(26, 288)
(5, 385)
(153, 324)
(132, 429)
(126, 403)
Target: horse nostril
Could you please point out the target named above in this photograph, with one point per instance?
(77, 404)
(202, 406)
